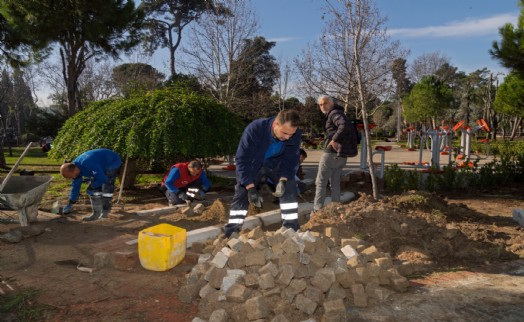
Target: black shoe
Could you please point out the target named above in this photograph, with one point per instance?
(230, 229)
(293, 224)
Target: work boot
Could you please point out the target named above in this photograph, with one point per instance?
(230, 229)
(293, 224)
(96, 204)
(106, 206)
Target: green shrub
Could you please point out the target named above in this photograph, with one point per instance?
(165, 124)
(394, 178)
(509, 169)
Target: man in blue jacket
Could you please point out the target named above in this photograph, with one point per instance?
(100, 167)
(268, 149)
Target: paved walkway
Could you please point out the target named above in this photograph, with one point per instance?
(396, 155)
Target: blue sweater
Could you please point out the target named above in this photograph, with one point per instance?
(174, 174)
(93, 165)
(255, 141)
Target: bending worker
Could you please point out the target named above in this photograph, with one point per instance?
(99, 167)
(185, 181)
(268, 149)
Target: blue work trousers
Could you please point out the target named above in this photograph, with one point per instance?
(268, 173)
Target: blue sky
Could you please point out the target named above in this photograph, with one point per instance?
(462, 30)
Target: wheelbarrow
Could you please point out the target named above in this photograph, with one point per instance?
(24, 193)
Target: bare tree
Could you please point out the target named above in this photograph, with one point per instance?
(329, 65)
(215, 46)
(326, 67)
(96, 81)
(353, 59)
(49, 74)
(283, 82)
(427, 64)
(94, 84)
(307, 72)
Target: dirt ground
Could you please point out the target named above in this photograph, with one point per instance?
(463, 254)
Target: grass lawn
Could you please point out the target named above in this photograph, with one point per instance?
(35, 156)
(36, 160)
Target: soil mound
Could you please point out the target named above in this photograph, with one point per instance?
(424, 231)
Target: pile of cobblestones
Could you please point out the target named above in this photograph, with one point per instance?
(288, 276)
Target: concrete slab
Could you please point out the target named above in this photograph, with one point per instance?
(265, 218)
(159, 211)
(202, 234)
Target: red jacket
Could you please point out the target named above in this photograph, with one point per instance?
(182, 176)
(178, 176)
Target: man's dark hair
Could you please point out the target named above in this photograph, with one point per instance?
(195, 164)
(290, 116)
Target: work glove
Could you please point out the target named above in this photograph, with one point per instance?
(280, 188)
(196, 193)
(254, 197)
(67, 209)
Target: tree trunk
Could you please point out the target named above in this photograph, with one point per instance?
(366, 128)
(131, 173)
(399, 121)
(172, 59)
(516, 125)
(3, 163)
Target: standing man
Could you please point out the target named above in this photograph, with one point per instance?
(185, 181)
(339, 144)
(100, 168)
(268, 149)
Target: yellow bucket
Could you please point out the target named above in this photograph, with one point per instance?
(161, 247)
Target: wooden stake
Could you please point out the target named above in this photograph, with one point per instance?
(122, 181)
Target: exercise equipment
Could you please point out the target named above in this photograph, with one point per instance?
(467, 132)
(412, 133)
(438, 141)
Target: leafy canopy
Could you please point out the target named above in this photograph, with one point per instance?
(165, 124)
(165, 21)
(82, 29)
(428, 99)
(510, 50)
(510, 96)
(136, 78)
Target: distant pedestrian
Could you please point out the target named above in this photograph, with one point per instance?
(340, 143)
(268, 149)
(99, 167)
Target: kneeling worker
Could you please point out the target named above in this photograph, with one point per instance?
(100, 167)
(185, 181)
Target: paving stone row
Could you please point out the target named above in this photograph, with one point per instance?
(288, 276)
